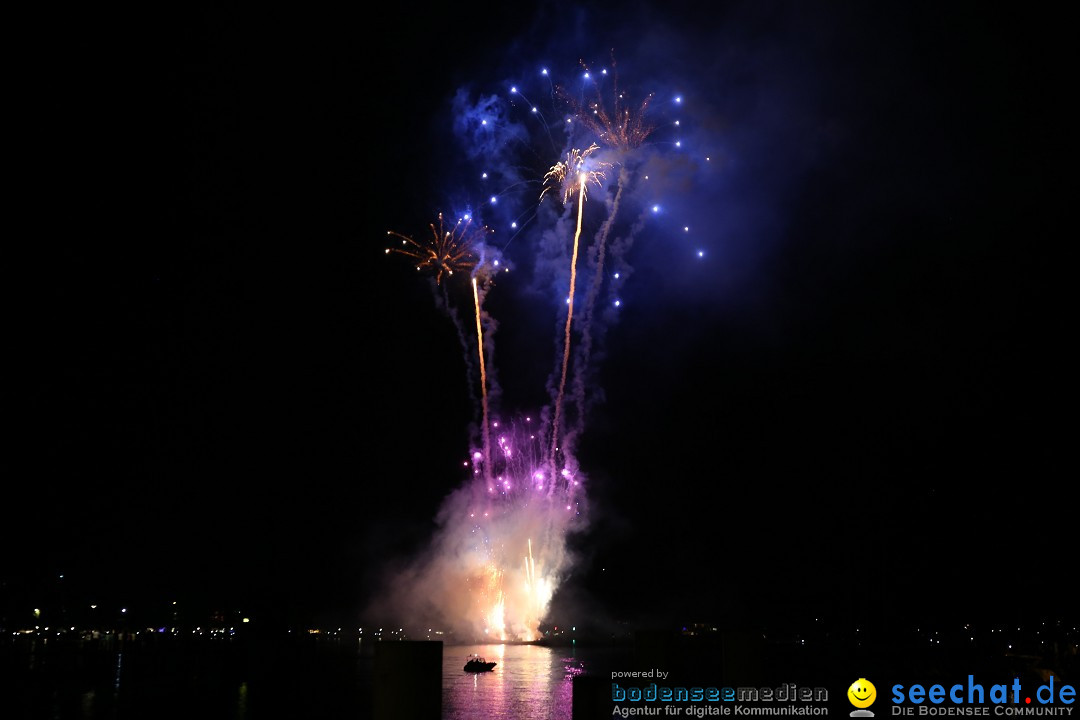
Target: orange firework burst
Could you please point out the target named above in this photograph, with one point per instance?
(447, 251)
(620, 127)
(572, 175)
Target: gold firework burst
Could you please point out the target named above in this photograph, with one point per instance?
(446, 252)
(575, 173)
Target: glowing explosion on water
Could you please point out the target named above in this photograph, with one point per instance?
(501, 550)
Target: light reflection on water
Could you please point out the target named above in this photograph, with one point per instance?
(529, 682)
(178, 680)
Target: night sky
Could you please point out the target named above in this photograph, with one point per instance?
(220, 390)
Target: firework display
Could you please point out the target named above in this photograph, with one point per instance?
(447, 251)
(501, 549)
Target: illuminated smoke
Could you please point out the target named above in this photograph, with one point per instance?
(500, 548)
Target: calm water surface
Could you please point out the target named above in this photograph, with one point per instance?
(528, 683)
(306, 680)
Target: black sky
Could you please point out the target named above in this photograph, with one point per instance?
(220, 391)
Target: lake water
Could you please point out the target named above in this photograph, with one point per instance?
(312, 678)
(306, 680)
(528, 682)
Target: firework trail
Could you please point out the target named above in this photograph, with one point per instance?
(568, 175)
(485, 430)
(620, 127)
(598, 250)
(501, 547)
(522, 502)
(623, 130)
(459, 249)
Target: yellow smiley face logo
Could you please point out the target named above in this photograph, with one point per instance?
(862, 693)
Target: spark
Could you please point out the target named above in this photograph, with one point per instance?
(508, 599)
(446, 252)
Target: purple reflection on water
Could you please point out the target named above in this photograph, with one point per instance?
(529, 682)
(573, 667)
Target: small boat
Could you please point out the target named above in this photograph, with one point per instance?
(475, 663)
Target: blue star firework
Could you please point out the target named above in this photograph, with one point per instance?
(501, 548)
